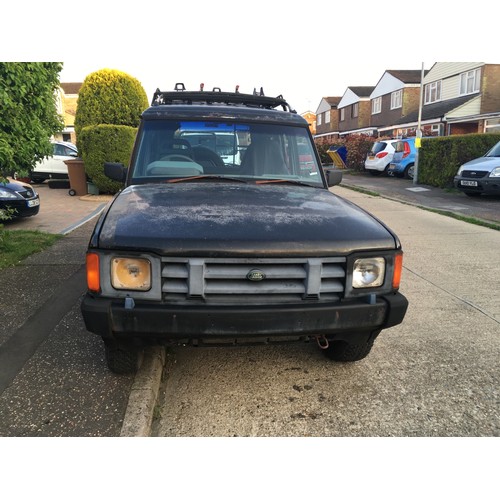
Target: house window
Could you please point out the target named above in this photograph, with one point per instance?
(327, 117)
(492, 126)
(469, 82)
(355, 110)
(396, 99)
(342, 114)
(318, 120)
(432, 92)
(376, 105)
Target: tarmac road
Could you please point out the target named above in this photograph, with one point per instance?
(436, 374)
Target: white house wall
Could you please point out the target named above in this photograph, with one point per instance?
(386, 85)
(471, 108)
(348, 98)
(444, 70)
(323, 106)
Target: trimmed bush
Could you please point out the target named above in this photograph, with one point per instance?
(439, 158)
(107, 97)
(110, 97)
(102, 143)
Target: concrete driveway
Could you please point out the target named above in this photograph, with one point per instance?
(59, 212)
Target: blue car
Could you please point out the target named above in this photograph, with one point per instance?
(403, 161)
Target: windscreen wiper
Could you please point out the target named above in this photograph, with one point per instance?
(286, 181)
(209, 177)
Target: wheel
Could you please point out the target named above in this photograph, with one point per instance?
(340, 350)
(121, 358)
(472, 194)
(72, 192)
(409, 171)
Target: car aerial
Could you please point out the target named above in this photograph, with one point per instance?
(53, 167)
(195, 251)
(481, 175)
(379, 156)
(18, 199)
(403, 161)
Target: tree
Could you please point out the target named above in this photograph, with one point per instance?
(28, 113)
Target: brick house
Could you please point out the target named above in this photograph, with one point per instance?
(310, 118)
(355, 111)
(396, 95)
(459, 98)
(327, 118)
(67, 99)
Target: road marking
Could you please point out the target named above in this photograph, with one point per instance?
(417, 189)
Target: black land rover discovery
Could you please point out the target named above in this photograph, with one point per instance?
(226, 233)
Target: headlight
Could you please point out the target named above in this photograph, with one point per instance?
(495, 172)
(368, 273)
(131, 274)
(7, 195)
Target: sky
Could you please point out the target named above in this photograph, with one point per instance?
(303, 51)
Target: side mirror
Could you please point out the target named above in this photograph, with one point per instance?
(115, 171)
(333, 176)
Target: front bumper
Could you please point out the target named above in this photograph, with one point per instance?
(21, 207)
(486, 185)
(147, 323)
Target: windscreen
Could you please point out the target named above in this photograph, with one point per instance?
(250, 151)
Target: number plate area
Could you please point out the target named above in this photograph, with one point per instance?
(468, 183)
(33, 203)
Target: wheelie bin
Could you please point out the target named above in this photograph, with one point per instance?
(77, 177)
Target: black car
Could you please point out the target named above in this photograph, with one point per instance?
(18, 199)
(204, 251)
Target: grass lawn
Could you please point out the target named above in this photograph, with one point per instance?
(15, 246)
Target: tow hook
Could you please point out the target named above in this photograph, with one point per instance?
(322, 342)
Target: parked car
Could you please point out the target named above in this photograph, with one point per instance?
(480, 176)
(403, 161)
(380, 156)
(53, 167)
(256, 252)
(18, 199)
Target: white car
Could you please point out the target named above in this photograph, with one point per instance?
(53, 167)
(380, 156)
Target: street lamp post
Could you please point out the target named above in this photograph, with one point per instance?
(419, 131)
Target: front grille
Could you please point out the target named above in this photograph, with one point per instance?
(474, 174)
(27, 194)
(227, 281)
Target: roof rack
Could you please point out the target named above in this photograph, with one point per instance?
(216, 96)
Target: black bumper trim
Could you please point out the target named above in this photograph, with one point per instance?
(158, 322)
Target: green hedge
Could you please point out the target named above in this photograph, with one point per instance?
(102, 143)
(440, 157)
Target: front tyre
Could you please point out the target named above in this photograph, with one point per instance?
(340, 350)
(122, 358)
(409, 172)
